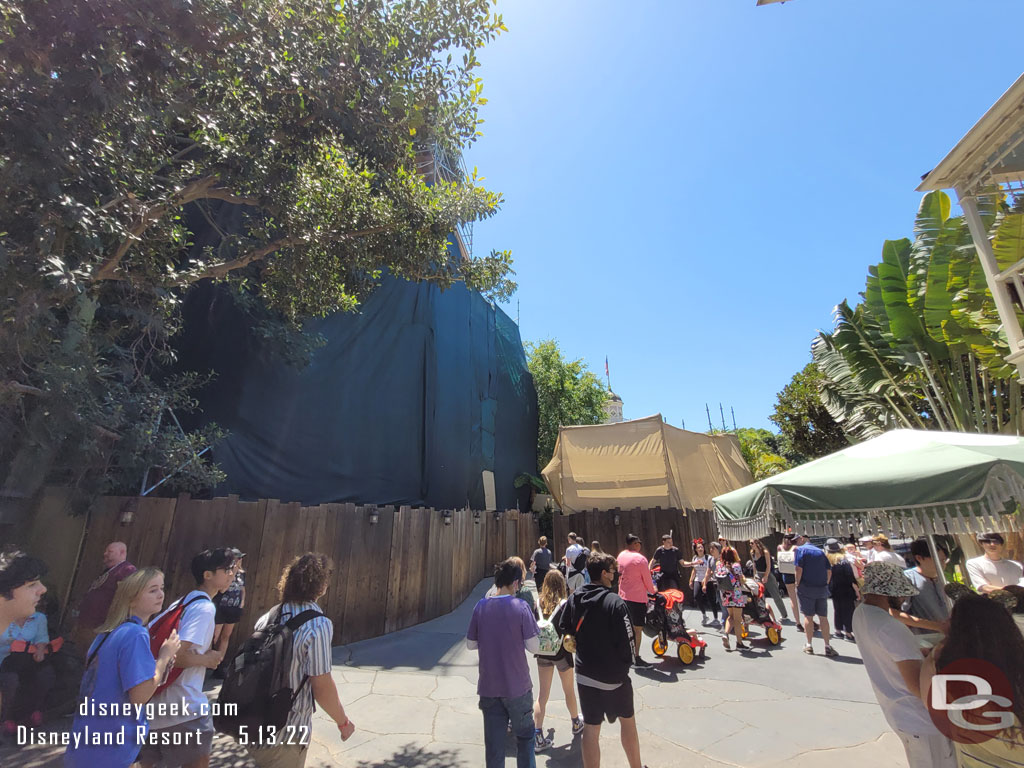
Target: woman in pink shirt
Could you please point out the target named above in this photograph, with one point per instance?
(635, 584)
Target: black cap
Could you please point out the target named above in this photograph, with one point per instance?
(991, 536)
(632, 539)
(789, 536)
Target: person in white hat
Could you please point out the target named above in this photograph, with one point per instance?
(892, 658)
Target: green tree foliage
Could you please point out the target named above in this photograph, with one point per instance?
(568, 393)
(802, 418)
(924, 349)
(292, 130)
(766, 453)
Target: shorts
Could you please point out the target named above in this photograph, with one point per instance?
(812, 606)
(788, 578)
(597, 704)
(188, 751)
(637, 613)
(668, 581)
(562, 662)
(227, 614)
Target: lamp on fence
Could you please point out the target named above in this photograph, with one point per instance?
(476, 516)
(374, 516)
(616, 520)
(128, 511)
(497, 515)
(447, 517)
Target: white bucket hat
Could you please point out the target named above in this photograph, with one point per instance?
(887, 579)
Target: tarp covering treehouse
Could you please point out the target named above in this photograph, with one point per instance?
(642, 463)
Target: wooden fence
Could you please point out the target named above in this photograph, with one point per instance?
(393, 567)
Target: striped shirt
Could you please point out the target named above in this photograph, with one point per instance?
(311, 655)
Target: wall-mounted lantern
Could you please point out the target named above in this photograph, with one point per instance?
(616, 520)
(447, 517)
(374, 516)
(476, 516)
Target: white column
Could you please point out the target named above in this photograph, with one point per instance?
(1007, 312)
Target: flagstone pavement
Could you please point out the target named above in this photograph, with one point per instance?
(412, 696)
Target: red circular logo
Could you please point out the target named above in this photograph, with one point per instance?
(970, 701)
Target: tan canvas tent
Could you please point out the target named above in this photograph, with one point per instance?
(642, 463)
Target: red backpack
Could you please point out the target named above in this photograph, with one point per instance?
(160, 630)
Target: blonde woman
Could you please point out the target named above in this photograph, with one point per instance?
(553, 593)
(120, 671)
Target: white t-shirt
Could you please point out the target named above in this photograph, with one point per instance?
(887, 556)
(995, 573)
(882, 642)
(196, 627)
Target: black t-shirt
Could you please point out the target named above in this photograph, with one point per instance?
(668, 560)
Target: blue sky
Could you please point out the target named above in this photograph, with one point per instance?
(692, 185)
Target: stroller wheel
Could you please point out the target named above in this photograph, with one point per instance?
(659, 647)
(685, 653)
(773, 636)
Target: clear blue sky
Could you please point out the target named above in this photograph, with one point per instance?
(692, 185)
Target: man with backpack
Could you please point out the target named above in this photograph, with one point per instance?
(287, 659)
(576, 555)
(599, 623)
(185, 716)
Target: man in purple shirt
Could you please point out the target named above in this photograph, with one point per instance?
(94, 606)
(503, 629)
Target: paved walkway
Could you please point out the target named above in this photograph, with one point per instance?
(412, 697)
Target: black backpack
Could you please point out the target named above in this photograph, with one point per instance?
(580, 563)
(258, 679)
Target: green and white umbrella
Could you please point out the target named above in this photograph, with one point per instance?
(911, 482)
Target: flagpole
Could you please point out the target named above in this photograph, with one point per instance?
(607, 375)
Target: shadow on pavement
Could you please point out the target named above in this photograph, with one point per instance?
(412, 756)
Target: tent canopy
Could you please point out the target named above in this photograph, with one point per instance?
(913, 481)
(642, 463)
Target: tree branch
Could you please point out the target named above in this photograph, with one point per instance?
(258, 254)
(23, 389)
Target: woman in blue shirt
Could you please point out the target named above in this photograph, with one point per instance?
(120, 672)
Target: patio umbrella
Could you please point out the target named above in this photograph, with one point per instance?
(910, 482)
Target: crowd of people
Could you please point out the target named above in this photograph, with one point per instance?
(141, 693)
(145, 663)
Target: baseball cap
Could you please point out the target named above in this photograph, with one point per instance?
(789, 536)
(632, 539)
(833, 545)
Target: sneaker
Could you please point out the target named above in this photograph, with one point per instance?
(808, 650)
(716, 623)
(830, 651)
(641, 663)
(840, 635)
(849, 636)
(540, 743)
(703, 621)
(577, 726)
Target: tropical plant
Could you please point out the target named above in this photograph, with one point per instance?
(285, 149)
(568, 393)
(765, 453)
(924, 349)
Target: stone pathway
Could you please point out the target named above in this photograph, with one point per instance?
(412, 696)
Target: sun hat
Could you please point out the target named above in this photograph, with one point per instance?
(887, 579)
(880, 537)
(833, 545)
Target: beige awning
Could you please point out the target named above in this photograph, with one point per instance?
(642, 463)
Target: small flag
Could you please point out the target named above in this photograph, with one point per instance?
(606, 365)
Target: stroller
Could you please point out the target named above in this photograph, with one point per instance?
(759, 612)
(665, 623)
